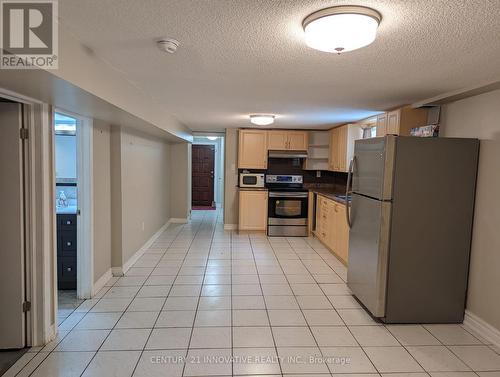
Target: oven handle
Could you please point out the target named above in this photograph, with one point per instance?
(288, 195)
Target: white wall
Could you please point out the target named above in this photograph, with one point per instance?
(145, 189)
(180, 181)
(102, 198)
(231, 178)
(479, 117)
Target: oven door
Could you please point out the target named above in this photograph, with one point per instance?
(287, 208)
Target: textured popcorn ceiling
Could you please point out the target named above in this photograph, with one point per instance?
(239, 57)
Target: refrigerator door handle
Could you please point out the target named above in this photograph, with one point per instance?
(348, 191)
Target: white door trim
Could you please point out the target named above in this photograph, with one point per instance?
(41, 289)
(85, 219)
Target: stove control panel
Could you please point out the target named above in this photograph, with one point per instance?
(284, 179)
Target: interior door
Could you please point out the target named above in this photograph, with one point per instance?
(203, 157)
(12, 275)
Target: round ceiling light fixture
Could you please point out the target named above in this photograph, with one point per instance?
(168, 45)
(341, 28)
(212, 138)
(262, 120)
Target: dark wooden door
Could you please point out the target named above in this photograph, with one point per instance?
(203, 157)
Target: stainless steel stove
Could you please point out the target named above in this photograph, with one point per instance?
(287, 206)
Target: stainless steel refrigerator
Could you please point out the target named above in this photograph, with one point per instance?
(411, 226)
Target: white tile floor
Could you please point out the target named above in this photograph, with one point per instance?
(203, 301)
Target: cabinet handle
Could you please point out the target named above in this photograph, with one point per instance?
(69, 269)
(68, 243)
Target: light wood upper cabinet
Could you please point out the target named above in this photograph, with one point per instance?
(393, 118)
(401, 121)
(382, 124)
(331, 226)
(287, 140)
(253, 210)
(252, 149)
(298, 140)
(342, 146)
(277, 140)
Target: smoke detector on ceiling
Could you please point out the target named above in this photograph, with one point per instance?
(168, 45)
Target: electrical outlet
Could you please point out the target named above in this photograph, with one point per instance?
(318, 173)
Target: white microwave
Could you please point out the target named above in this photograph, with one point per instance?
(251, 179)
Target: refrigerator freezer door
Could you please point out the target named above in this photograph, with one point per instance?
(373, 167)
(368, 252)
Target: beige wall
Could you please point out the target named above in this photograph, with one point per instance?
(231, 177)
(479, 117)
(116, 196)
(180, 183)
(102, 198)
(145, 190)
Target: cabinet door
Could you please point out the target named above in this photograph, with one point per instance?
(342, 233)
(252, 149)
(332, 160)
(298, 140)
(342, 149)
(253, 210)
(382, 124)
(332, 226)
(277, 140)
(393, 119)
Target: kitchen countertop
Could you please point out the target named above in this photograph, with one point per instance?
(328, 193)
(252, 188)
(69, 210)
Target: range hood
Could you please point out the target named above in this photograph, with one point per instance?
(287, 154)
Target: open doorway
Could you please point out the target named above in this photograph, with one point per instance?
(207, 172)
(74, 276)
(66, 212)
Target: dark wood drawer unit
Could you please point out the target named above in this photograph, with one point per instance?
(66, 251)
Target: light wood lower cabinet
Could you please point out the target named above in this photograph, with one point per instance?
(331, 226)
(253, 210)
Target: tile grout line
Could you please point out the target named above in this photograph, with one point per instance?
(264, 300)
(121, 316)
(201, 289)
(166, 298)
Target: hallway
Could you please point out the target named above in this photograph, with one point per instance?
(278, 306)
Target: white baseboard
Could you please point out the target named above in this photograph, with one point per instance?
(117, 271)
(101, 282)
(178, 220)
(230, 226)
(130, 262)
(482, 328)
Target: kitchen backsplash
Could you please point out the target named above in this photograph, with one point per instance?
(328, 179)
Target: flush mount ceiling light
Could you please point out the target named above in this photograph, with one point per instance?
(212, 138)
(262, 120)
(168, 45)
(340, 29)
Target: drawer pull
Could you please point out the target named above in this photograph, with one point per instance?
(68, 222)
(69, 243)
(69, 269)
